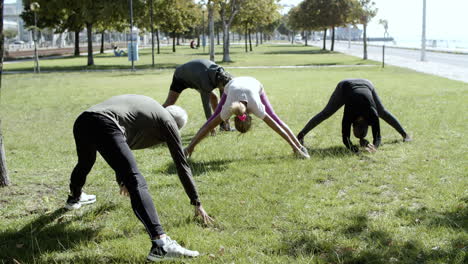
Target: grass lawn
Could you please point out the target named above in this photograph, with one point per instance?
(407, 203)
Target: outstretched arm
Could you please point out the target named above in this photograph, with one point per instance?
(387, 116)
(210, 125)
(280, 131)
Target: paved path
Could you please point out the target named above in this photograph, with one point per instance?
(449, 65)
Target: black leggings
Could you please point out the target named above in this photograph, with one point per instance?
(95, 132)
(337, 100)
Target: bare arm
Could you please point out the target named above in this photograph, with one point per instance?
(273, 125)
(202, 133)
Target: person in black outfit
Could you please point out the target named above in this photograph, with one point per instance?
(203, 76)
(114, 128)
(362, 108)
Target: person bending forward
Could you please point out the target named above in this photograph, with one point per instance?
(115, 127)
(362, 108)
(242, 96)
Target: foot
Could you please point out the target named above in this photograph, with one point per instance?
(300, 138)
(407, 138)
(165, 248)
(74, 203)
(302, 153)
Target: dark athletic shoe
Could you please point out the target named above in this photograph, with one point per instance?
(166, 249)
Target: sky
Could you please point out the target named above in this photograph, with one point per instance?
(445, 19)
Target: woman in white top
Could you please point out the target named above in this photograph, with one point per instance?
(242, 96)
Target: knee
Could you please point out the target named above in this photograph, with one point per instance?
(134, 182)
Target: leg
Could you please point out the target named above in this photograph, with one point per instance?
(272, 114)
(334, 103)
(86, 152)
(115, 150)
(214, 105)
(177, 86)
(171, 98)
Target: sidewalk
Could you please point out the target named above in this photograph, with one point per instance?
(454, 72)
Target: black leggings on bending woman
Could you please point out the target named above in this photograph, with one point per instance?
(94, 132)
(337, 100)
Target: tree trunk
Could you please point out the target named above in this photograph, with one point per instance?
(173, 41)
(4, 179)
(77, 44)
(261, 37)
(324, 39)
(306, 34)
(198, 40)
(250, 40)
(256, 39)
(89, 28)
(226, 56)
(365, 41)
(333, 39)
(246, 30)
(102, 42)
(178, 40)
(152, 32)
(292, 37)
(211, 30)
(157, 40)
(217, 35)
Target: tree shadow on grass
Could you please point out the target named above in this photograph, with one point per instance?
(201, 167)
(97, 67)
(308, 51)
(381, 246)
(47, 233)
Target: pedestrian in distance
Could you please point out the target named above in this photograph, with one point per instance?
(203, 76)
(243, 96)
(363, 108)
(114, 128)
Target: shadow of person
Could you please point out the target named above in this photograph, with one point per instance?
(335, 151)
(48, 233)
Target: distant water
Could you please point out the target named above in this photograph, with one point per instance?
(430, 43)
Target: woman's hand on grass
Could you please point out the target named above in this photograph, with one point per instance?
(199, 211)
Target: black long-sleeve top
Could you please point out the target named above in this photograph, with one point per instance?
(359, 102)
(146, 123)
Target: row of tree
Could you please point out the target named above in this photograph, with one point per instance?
(174, 17)
(313, 15)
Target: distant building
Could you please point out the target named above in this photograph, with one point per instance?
(12, 20)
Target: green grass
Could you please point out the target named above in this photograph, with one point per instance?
(407, 203)
(275, 55)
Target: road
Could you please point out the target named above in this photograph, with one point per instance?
(449, 65)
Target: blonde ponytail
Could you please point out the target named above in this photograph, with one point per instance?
(238, 108)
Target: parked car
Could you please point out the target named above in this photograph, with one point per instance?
(19, 42)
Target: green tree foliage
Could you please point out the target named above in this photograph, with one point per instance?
(178, 16)
(256, 14)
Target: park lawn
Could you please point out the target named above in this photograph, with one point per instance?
(407, 203)
(275, 55)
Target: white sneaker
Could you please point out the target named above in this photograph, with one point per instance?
(165, 248)
(73, 203)
(303, 153)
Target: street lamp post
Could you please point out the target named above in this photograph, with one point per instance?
(34, 8)
(423, 37)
